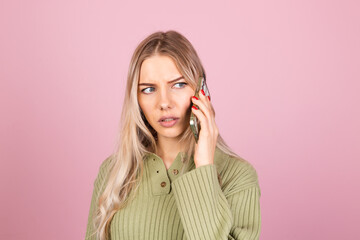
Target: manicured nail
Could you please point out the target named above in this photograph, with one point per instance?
(209, 98)
(203, 92)
(194, 107)
(195, 98)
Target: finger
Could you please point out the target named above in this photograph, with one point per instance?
(207, 110)
(203, 97)
(203, 107)
(210, 109)
(202, 118)
(206, 100)
(209, 121)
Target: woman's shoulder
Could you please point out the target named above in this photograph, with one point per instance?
(106, 163)
(236, 172)
(225, 161)
(104, 170)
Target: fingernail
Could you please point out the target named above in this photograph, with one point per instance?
(195, 98)
(209, 98)
(194, 107)
(203, 92)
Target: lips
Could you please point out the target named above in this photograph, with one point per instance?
(165, 117)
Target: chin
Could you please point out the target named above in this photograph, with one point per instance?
(170, 133)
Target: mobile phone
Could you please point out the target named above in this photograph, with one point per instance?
(194, 121)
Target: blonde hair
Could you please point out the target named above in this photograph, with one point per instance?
(136, 137)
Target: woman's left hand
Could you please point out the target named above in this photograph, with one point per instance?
(205, 147)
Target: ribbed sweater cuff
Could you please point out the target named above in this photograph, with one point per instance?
(201, 179)
(203, 208)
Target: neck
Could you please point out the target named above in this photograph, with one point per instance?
(168, 148)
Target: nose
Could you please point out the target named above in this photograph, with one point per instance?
(165, 99)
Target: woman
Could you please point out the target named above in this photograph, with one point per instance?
(159, 183)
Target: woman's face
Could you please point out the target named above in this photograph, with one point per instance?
(163, 92)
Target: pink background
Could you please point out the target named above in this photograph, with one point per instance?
(284, 79)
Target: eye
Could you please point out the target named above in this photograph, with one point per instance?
(183, 84)
(146, 89)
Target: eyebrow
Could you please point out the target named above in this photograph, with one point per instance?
(151, 84)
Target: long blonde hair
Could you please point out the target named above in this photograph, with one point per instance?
(136, 137)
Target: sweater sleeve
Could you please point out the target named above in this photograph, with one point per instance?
(205, 211)
(97, 190)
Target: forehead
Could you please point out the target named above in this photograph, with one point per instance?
(158, 68)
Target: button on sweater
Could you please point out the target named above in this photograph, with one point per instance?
(193, 204)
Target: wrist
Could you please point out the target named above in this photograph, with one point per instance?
(203, 164)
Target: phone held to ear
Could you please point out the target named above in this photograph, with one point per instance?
(194, 121)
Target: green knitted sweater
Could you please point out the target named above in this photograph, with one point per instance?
(191, 205)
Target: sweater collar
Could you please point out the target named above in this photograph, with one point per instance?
(161, 178)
